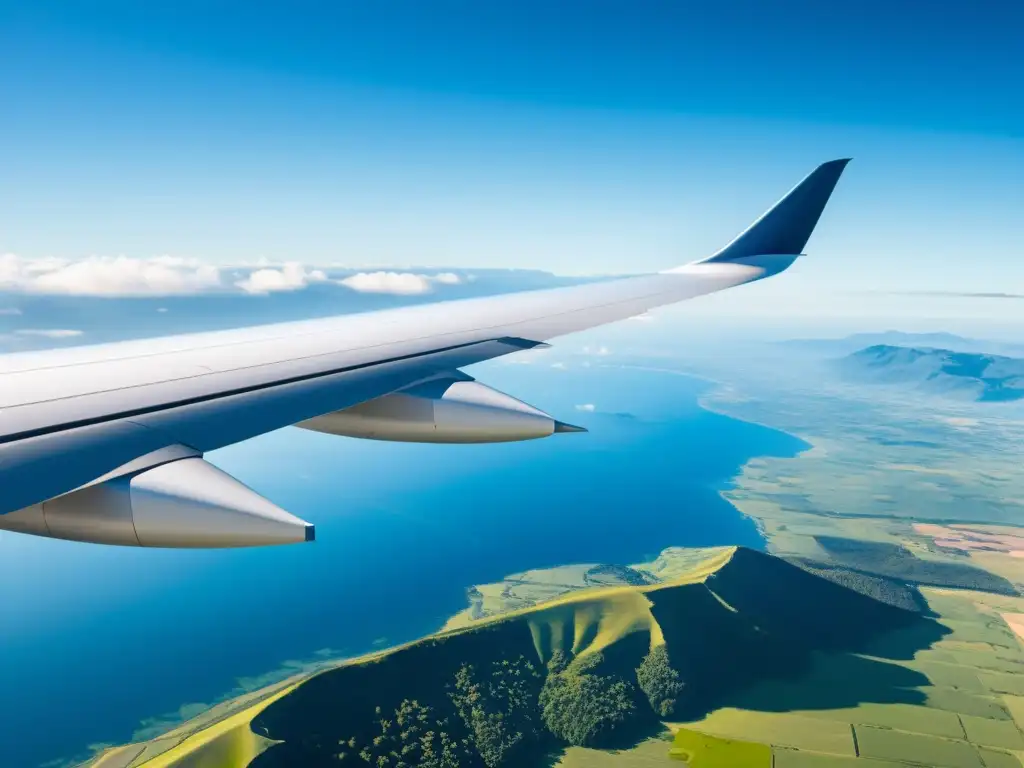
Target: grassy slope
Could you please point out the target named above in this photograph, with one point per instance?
(773, 655)
(222, 736)
(729, 618)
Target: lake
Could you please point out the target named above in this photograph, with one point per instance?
(96, 639)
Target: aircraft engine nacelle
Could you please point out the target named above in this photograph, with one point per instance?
(185, 503)
(442, 412)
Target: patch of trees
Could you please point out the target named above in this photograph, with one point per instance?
(659, 681)
(510, 712)
(886, 590)
(412, 737)
(500, 709)
(617, 574)
(580, 705)
(896, 562)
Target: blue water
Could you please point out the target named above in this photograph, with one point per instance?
(95, 639)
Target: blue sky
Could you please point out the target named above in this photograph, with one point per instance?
(582, 138)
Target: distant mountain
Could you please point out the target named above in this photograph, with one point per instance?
(965, 375)
(939, 340)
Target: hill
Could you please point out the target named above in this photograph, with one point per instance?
(964, 375)
(739, 657)
(848, 344)
(598, 666)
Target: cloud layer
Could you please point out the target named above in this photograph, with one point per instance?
(401, 283)
(170, 276)
(50, 333)
(956, 294)
(107, 276)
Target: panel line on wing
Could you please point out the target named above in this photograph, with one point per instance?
(482, 329)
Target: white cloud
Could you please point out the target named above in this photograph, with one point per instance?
(107, 276)
(404, 283)
(447, 278)
(289, 277)
(587, 407)
(599, 351)
(50, 333)
(161, 309)
(400, 283)
(559, 366)
(9, 311)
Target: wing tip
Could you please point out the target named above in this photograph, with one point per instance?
(786, 227)
(837, 166)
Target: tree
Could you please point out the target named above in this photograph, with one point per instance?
(659, 681)
(414, 738)
(581, 706)
(499, 709)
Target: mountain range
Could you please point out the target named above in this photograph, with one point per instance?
(937, 340)
(945, 372)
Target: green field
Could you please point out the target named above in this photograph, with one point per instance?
(887, 744)
(700, 750)
(992, 733)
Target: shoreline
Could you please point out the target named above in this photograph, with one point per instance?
(759, 523)
(716, 387)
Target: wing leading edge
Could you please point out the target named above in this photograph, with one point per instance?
(69, 417)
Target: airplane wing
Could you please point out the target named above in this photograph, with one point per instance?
(104, 443)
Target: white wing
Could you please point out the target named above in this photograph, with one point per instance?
(76, 417)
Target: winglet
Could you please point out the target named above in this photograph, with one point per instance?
(787, 226)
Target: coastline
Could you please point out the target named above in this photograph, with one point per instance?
(710, 402)
(711, 407)
(705, 402)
